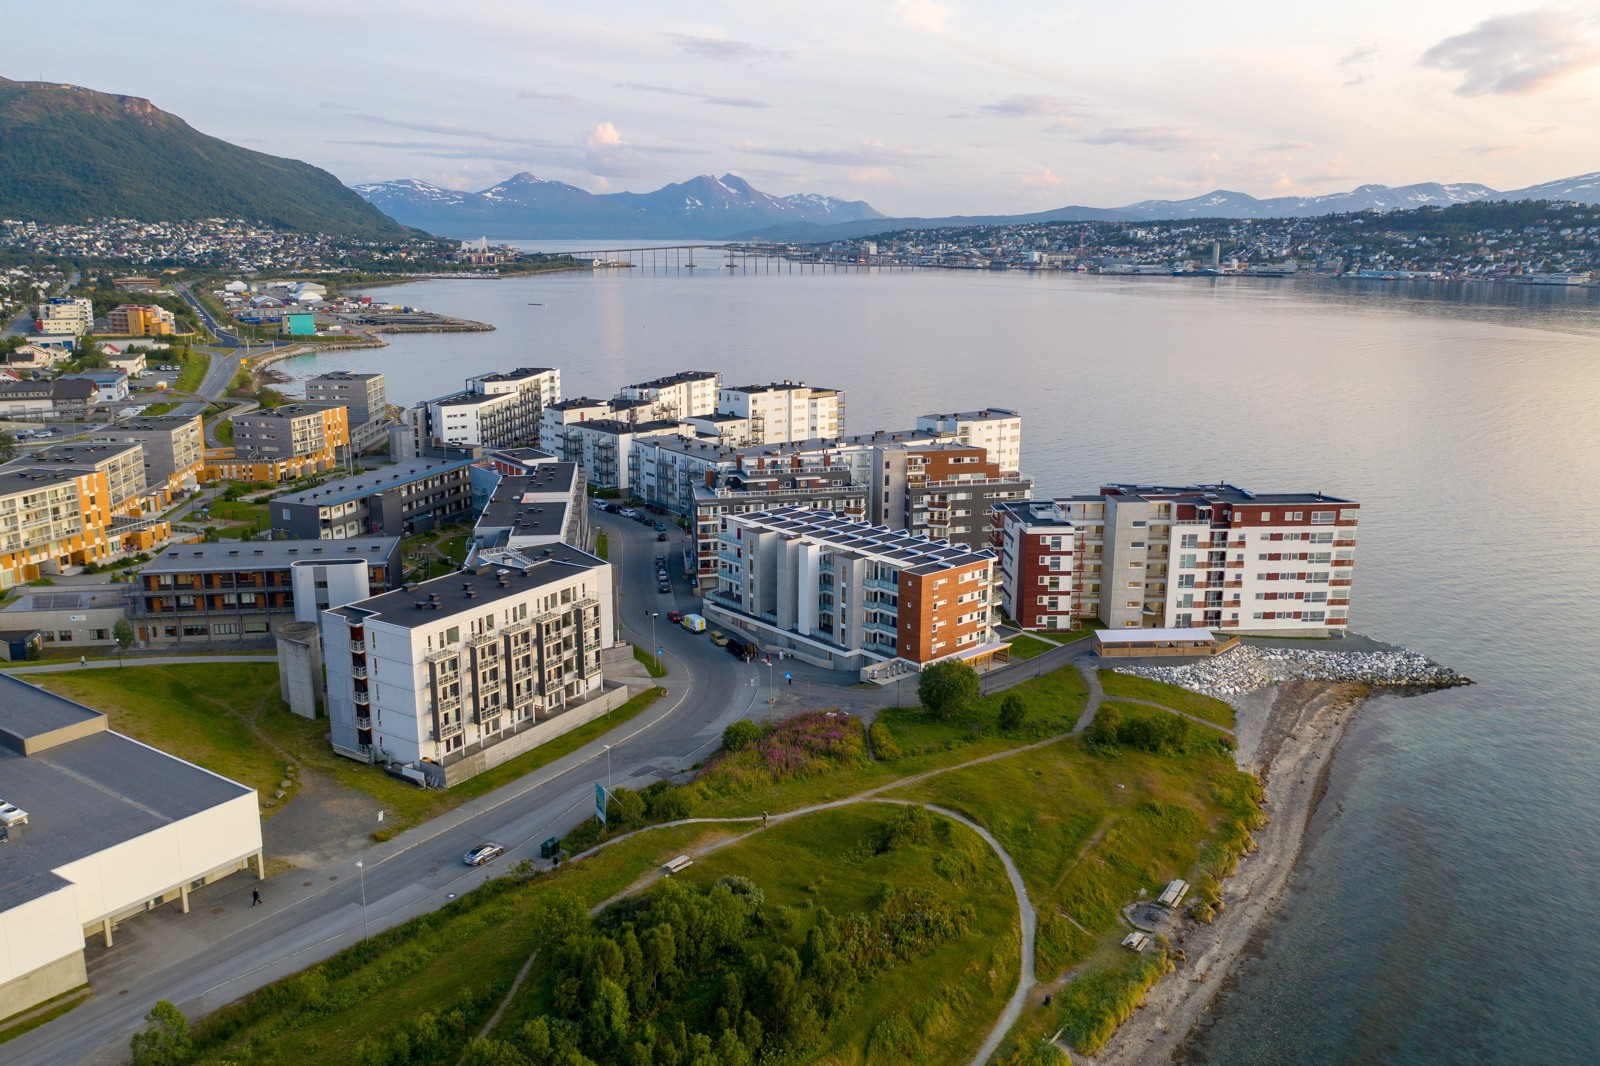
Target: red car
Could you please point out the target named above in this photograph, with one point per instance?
(674, 617)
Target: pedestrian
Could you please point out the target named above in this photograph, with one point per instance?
(763, 819)
(255, 896)
(83, 660)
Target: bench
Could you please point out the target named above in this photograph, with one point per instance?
(672, 866)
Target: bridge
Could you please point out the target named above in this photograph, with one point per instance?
(719, 258)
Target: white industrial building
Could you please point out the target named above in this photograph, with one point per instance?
(108, 828)
(449, 677)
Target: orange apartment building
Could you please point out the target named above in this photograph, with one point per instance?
(284, 444)
(835, 591)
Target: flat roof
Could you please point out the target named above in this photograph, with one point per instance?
(287, 412)
(266, 554)
(519, 374)
(680, 378)
(150, 423)
(65, 600)
(1144, 636)
(86, 795)
(1218, 493)
(345, 375)
(475, 588)
(907, 551)
(357, 486)
(974, 416)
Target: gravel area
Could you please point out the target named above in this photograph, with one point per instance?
(1250, 667)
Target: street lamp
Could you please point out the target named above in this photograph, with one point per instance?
(608, 767)
(655, 649)
(366, 934)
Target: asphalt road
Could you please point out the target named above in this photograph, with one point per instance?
(225, 948)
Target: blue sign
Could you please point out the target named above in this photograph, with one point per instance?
(600, 802)
(787, 676)
(658, 651)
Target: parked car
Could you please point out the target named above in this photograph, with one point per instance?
(737, 647)
(661, 561)
(628, 512)
(642, 519)
(719, 638)
(694, 623)
(661, 527)
(663, 585)
(661, 536)
(674, 617)
(482, 854)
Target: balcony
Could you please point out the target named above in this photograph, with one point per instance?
(359, 670)
(363, 721)
(361, 699)
(358, 647)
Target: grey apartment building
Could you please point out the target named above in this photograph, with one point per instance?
(363, 395)
(390, 501)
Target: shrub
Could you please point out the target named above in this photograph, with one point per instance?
(1107, 726)
(1012, 712)
(909, 825)
(740, 735)
(883, 745)
(947, 687)
(165, 1039)
(1154, 731)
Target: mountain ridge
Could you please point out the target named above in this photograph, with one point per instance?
(68, 154)
(526, 206)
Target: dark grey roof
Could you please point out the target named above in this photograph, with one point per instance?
(267, 554)
(374, 481)
(89, 795)
(474, 588)
(1218, 493)
(519, 374)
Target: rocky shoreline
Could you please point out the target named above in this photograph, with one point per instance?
(1250, 667)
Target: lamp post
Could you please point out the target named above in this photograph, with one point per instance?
(608, 767)
(655, 649)
(366, 933)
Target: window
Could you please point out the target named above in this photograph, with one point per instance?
(1190, 540)
(224, 629)
(1266, 516)
(1186, 562)
(64, 634)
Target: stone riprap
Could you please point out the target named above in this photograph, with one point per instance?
(1245, 669)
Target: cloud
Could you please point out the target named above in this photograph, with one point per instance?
(872, 175)
(554, 98)
(450, 129)
(605, 135)
(924, 15)
(871, 154)
(1155, 138)
(1287, 146)
(1355, 63)
(1047, 179)
(668, 90)
(1067, 111)
(1514, 55)
(724, 50)
(1492, 149)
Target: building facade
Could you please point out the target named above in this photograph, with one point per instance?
(452, 675)
(140, 320)
(534, 509)
(363, 396)
(293, 431)
(72, 315)
(994, 429)
(783, 411)
(237, 592)
(389, 501)
(173, 448)
(839, 592)
(741, 493)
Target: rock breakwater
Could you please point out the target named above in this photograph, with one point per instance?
(1247, 668)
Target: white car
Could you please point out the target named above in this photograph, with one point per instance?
(482, 854)
(628, 512)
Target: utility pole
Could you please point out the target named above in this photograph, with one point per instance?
(608, 767)
(366, 933)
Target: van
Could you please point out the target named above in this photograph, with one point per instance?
(694, 623)
(12, 815)
(737, 648)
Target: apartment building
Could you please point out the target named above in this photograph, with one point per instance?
(110, 385)
(604, 448)
(140, 320)
(363, 396)
(121, 464)
(446, 678)
(173, 448)
(994, 429)
(534, 509)
(941, 489)
(293, 431)
(1214, 556)
(71, 315)
(838, 592)
(497, 410)
(51, 520)
(779, 412)
(1040, 561)
(389, 501)
(687, 394)
(745, 493)
(237, 592)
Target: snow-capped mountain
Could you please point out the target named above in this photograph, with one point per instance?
(528, 206)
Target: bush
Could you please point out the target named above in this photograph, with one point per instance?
(883, 745)
(911, 825)
(947, 688)
(740, 735)
(1012, 712)
(165, 1039)
(1154, 731)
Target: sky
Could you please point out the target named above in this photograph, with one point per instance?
(920, 107)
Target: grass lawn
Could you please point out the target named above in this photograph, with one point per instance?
(602, 546)
(1128, 687)
(1026, 647)
(193, 372)
(1090, 831)
(236, 511)
(654, 668)
(454, 548)
(230, 719)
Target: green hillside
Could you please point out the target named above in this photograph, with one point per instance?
(68, 154)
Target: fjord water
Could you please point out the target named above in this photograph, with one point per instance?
(1447, 906)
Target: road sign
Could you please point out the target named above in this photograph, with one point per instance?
(787, 676)
(659, 651)
(600, 802)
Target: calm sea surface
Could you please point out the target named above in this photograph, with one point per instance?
(1447, 908)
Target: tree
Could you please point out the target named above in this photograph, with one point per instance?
(740, 734)
(165, 1040)
(1012, 712)
(948, 687)
(123, 632)
(8, 447)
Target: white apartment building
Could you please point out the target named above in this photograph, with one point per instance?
(500, 410)
(1214, 556)
(686, 394)
(839, 592)
(451, 676)
(783, 411)
(604, 448)
(65, 314)
(994, 429)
